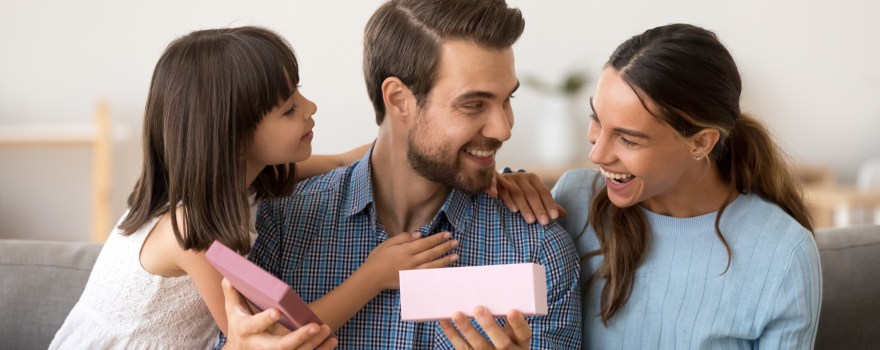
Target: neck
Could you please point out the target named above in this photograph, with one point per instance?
(701, 191)
(404, 199)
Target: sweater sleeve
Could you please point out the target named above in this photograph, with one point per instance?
(795, 316)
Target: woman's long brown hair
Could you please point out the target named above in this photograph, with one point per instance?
(209, 91)
(686, 71)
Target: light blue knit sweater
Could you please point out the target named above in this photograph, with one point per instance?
(683, 299)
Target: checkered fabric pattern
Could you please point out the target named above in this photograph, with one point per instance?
(317, 237)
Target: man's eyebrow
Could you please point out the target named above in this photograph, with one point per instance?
(624, 131)
(484, 94)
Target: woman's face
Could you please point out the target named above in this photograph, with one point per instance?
(643, 159)
(284, 135)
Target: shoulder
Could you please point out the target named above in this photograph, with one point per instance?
(575, 188)
(768, 230)
(514, 226)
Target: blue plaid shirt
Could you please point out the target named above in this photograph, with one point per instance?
(317, 237)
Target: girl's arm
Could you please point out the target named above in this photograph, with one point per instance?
(161, 255)
(321, 164)
(406, 251)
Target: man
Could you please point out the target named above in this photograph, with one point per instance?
(440, 75)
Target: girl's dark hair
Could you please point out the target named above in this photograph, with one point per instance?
(209, 91)
(692, 77)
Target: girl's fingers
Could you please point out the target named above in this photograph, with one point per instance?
(442, 262)
(422, 244)
(436, 252)
(329, 343)
(309, 337)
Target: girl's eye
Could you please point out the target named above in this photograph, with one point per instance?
(628, 142)
(290, 111)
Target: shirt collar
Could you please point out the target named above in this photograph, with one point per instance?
(361, 184)
(456, 208)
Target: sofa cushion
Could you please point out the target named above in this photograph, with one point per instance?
(850, 259)
(40, 282)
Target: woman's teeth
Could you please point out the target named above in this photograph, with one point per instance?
(619, 178)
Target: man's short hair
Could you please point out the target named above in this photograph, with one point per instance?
(403, 39)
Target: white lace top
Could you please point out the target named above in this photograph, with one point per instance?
(125, 307)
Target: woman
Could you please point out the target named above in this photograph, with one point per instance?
(695, 235)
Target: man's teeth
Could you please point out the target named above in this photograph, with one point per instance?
(478, 153)
(615, 176)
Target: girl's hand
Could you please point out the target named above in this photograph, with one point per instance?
(516, 333)
(407, 251)
(525, 193)
(249, 331)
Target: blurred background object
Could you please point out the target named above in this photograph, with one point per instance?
(811, 71)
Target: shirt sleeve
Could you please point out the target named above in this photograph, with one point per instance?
(561, 328)
(795, 315)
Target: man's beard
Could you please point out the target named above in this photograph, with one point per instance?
(429, 162)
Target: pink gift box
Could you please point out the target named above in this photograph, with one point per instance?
(260, 287)
(435, 294)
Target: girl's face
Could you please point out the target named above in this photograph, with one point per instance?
(643, 159)
(284, 135)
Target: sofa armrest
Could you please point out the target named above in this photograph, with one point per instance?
(850, 259)
(40, 281)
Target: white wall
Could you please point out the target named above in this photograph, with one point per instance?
(811, 71)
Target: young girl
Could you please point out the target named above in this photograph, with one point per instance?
(693, 232)
(224, 122)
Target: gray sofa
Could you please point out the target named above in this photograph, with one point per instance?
(40, 281)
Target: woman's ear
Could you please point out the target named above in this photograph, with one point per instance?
(398, 99)
(703, 142)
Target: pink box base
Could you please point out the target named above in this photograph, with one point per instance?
(435, 294)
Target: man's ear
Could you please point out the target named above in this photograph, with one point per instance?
(398, 99)
(704, 141)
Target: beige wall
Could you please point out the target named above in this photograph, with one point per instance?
(811, 70)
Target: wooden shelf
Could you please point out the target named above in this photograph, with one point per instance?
(96, 137)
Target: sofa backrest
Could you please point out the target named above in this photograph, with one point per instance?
(40, 281)
(850, 315)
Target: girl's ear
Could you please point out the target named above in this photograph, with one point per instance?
(398, 99)
(703, 142)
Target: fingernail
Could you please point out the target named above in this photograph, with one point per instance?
(453, 257)
(530, 218)
(554, 214)
(544, 220)
(313, 329)
(453, 244)
(417, 234)
(447, 235)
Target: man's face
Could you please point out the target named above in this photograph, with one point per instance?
(466, 117)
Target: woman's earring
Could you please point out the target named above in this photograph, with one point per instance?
(698, 158)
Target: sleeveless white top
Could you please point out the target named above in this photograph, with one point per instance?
(125, 307)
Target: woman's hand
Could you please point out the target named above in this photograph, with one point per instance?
(516, 333)
(260, 331)
(407, 251)
(525, 193)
